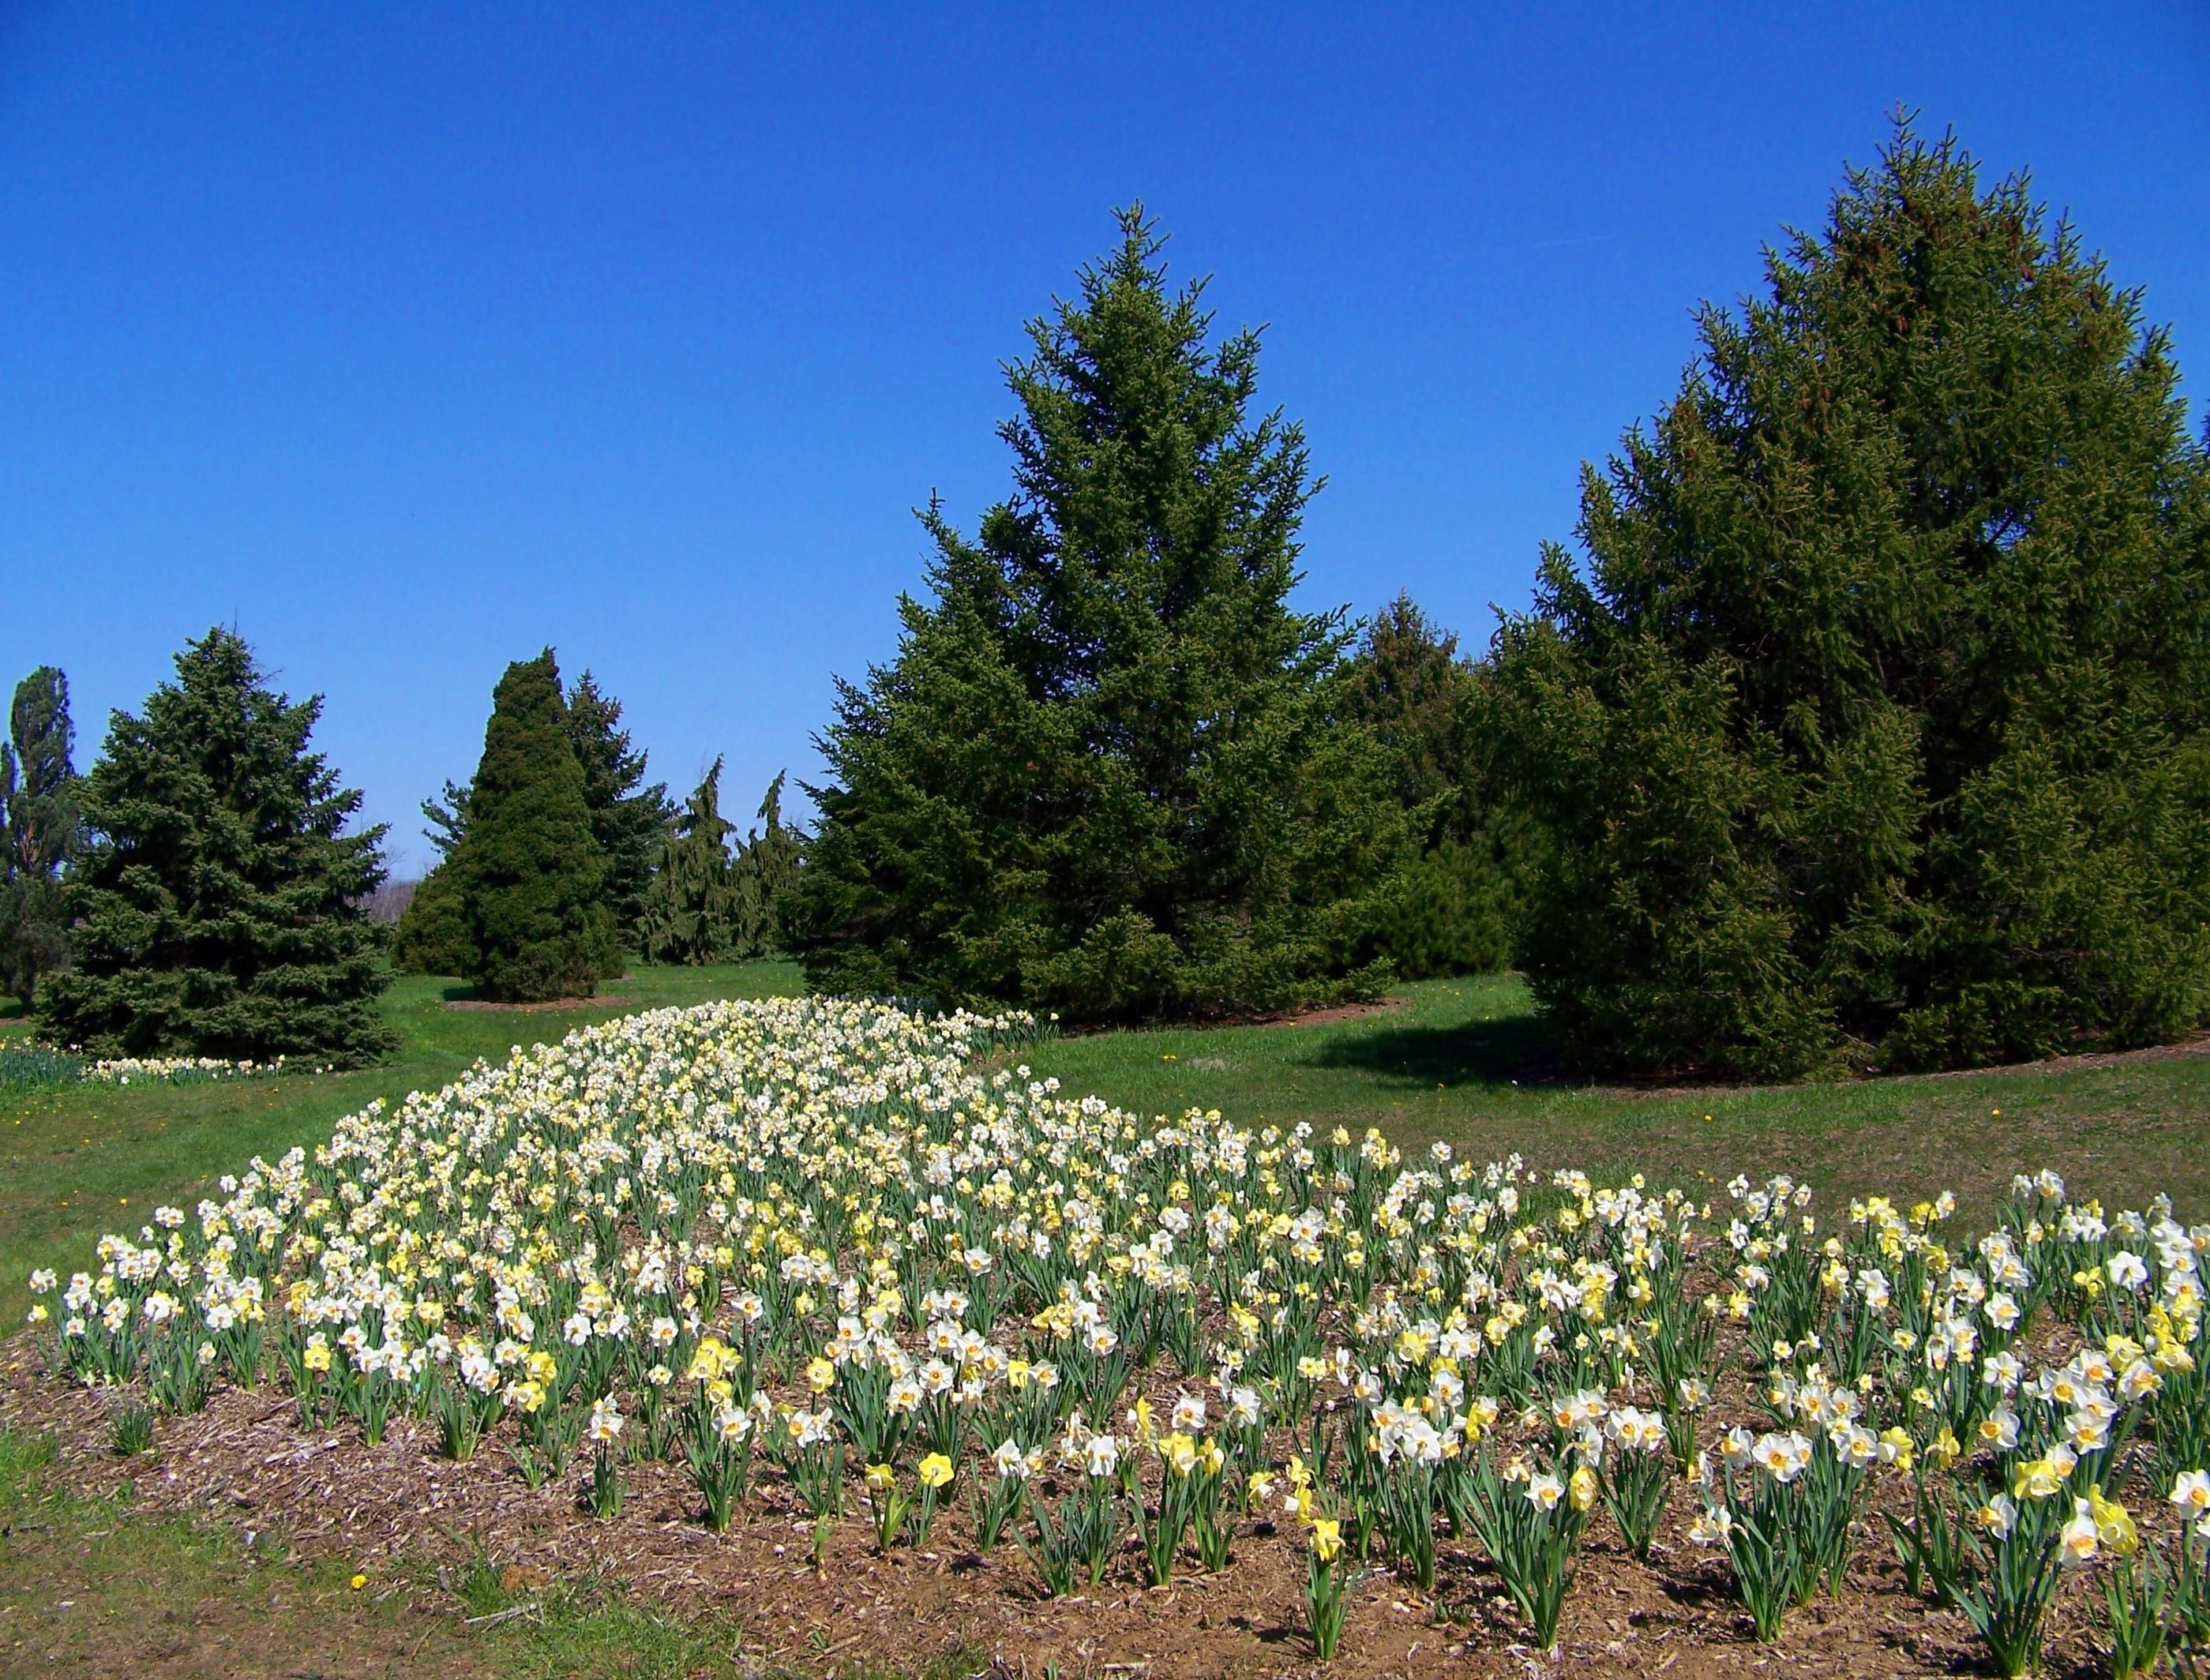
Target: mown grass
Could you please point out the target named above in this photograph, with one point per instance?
(1464, 1060)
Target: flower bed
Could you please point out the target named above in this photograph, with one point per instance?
(838, 1263)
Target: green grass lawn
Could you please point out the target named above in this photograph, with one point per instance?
(1464, 1061)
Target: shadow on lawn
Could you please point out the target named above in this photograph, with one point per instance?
(1478, 1052)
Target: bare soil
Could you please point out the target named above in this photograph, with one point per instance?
(399, 1509)
(607, 1000)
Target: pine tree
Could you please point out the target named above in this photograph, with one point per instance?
(530, 873)
(39, 830)
(1102, 774)
(1447, 909)
(217, 906)
(1874, 731)
(628, 820)
(1407, 683)
(694, 910)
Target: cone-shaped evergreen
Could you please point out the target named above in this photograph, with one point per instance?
(39, 830)
(767, 861)
(530, 873)
(1874, 731)
(694, 910)
(1101, 776)
(433, 935)
(218, 904)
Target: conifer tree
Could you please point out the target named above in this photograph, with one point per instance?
(530, 873)
(630, 822)
(694, 908)
(768, 860)
(628, 819)
(1102, 774)
(39, 830)
(1446, 909)
(1873, 730)
(434, 934)
(218, 905)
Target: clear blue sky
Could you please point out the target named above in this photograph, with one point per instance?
(412, 339)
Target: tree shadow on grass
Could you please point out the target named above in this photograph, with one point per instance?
(1514, 1050)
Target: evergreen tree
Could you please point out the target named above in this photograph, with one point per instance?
(447, 820)
(1446, 909)
(1103, 775)
(1874, 731)
(767, 867)
(434, 934)
(39, 830)
(694, 910)
(1407, 683)
(217, 907)
(628, 819)
(530, 873)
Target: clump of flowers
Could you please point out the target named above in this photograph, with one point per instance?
(814, 1243)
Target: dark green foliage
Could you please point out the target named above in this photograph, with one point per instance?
(710, 904)
(217, 905)
(694, 912)
(1447, 909)
(449, 819)
(39, 830)
(530, 873)
(1874, 731)
(1407, 683)
(433, 935)
(767, 861)
(1104, 775)
(628, 820)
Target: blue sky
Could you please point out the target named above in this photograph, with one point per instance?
(411, 339)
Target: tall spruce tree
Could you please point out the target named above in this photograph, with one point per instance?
(39, 830)
(629, 819)
(1102, 774)
(218, 904)
(694, 910)
(1873, 731)
(530, 873)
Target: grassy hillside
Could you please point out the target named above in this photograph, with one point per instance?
(1464, 1060)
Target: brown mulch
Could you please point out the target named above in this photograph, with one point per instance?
(604, 1001)
(399, 1509)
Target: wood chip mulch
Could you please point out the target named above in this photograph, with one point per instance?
(401, 1510)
